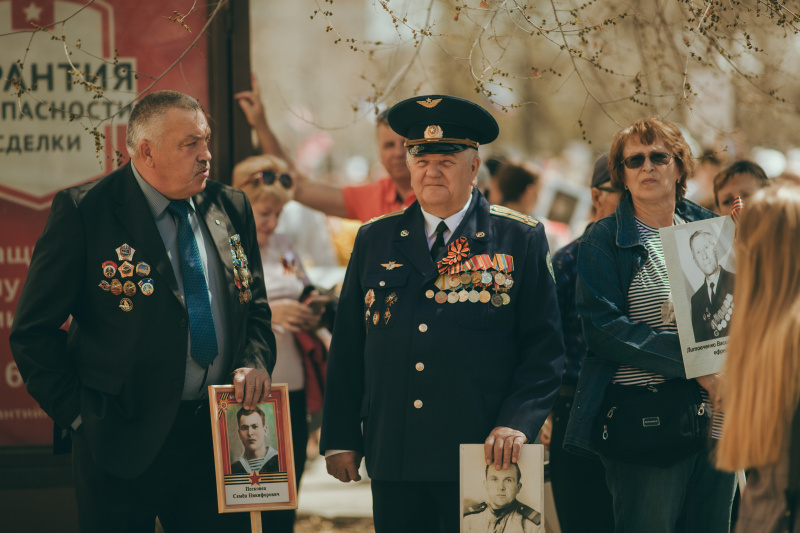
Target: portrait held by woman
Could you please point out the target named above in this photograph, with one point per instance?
(296, 309)
(762, 373)
(633, 405)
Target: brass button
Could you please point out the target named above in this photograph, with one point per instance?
(423, 328)
(420, 367)
(418, 404)
(382, 283)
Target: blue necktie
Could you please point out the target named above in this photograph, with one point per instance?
(195, 289)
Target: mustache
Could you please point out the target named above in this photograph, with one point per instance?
(202, 167)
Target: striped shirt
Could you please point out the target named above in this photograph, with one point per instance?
(650, 301)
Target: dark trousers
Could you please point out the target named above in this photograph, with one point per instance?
(283, 521)
(583, 501)
(418, 506)
(179, 487)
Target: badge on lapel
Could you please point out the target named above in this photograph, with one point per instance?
(241, 273)
(116, 287)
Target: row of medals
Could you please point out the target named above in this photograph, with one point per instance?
(241, 273)
(469, 283)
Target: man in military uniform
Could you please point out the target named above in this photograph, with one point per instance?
(502, 512)
(447, 330)
(712, 304)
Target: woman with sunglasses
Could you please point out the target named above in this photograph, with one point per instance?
(267, 182)
(623, 297)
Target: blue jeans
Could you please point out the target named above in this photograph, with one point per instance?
(687, 497)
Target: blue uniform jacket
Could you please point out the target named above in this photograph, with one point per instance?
(435, 375)
(611, 253)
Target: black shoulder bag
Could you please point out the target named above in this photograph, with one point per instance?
(656, 425)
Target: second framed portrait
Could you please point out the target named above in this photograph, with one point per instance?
(253, 452)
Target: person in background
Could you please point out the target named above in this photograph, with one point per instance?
(582, 500)
(519, 187)
(762, 371)
(623, 297)
(296, 313)
(739, 179)
(359, 202)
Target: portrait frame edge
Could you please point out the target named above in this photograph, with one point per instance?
(221, 398)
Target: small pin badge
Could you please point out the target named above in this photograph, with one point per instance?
(109, 269)
(404, 233)
(143, 269)
(125, 252)
(146, 286)
(391, 265)
(480, 235)
(126, 270)
(126, 304)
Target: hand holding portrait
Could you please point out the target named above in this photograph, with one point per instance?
(251, 386)
(502, 446)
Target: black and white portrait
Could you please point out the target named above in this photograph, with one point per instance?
(502, 501)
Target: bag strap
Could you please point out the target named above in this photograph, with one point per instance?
(793, 487)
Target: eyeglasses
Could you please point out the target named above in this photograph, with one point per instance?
(606, 189)
(268, 178)
(657, 158)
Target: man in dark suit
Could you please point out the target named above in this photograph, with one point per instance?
(141, 261)
(712, 304)
(436, 345)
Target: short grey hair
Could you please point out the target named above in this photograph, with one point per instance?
(147, 118)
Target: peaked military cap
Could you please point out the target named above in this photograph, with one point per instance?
(441, 124)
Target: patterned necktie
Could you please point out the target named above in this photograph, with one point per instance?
(438, 243)
(195, 289)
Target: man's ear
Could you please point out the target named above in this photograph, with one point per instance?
(146, 151)
(596, 197)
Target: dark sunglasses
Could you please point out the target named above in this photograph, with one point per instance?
(268, 178)
(657, 158)
(606, 189)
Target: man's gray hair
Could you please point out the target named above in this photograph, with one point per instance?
(147, 118)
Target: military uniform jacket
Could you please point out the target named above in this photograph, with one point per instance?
(123, 371)
(426, 376)
(711, 317)
(519, 519)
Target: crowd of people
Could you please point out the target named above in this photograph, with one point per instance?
(452, 325)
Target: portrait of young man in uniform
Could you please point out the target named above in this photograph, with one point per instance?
(501, 512)
(712, 303)
(447, 330)
(253, 432)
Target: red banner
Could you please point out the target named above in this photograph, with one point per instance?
(119, 46)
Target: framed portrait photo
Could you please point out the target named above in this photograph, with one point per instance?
(253, 451)
(509, 500)
(702, 271)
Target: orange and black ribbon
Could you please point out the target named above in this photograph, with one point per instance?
(456, 252)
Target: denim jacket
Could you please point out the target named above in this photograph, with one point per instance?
(611, 253)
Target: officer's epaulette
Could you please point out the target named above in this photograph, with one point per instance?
(475, 509)
(530, 514)
(501, 211)
(387, 215)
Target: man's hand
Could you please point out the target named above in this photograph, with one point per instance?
(344, 466)
(502, 447)
(250, 102)
(251, 386)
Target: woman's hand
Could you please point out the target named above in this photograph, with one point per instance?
(712, 383)
(294, 316)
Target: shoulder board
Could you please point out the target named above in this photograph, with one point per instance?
(387, 215)
(500, 211)
(479, 508)
(530, 514)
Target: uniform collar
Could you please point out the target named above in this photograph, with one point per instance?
(452, 222)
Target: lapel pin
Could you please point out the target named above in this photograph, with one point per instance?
(391, 265)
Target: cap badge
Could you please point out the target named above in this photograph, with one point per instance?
(429, 103)
(433, 132)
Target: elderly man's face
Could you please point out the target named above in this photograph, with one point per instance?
(180, 156)
(443, 182)
(705, 254)
(252, 434)
(502, 486)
